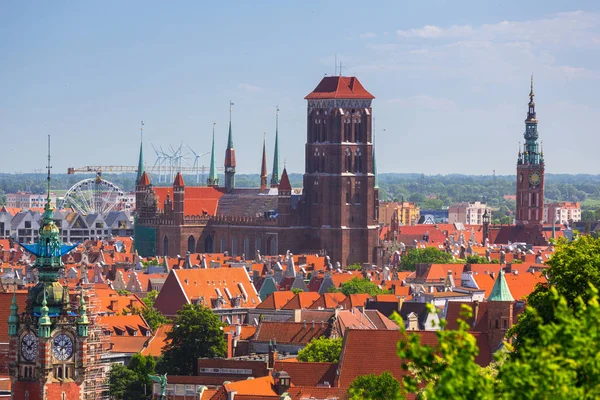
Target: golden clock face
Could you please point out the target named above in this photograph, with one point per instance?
(535, 179)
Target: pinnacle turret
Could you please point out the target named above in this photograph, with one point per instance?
(275, 175)
(230, 158)
(263, 166)
(140, 169)
(13, 318)
(44, 322)
(213, 179)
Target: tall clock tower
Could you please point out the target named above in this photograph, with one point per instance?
(530, 172)
(47, 346)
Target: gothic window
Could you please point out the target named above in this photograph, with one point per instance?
(348, 191)
(246, 247)
(357, 133)
(322, 168)
(59, 373)
(316, 201)
(348, 160)
(357, 161)
(165, 246)
(316, 161)
(234, 243)
(222, 245)
(347, 128)
(356, 198)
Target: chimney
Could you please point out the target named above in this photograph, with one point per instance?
(114, 305)
(273, 355)
(282, 382)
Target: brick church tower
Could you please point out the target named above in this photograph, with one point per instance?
(48, 340)
(530, 173)
(339, 180)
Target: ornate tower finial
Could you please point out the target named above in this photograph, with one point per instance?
(276, 175)
(531, 90)
(140, 169)
(13, 318)
(49, 167)
(44, 322)
(213, 179)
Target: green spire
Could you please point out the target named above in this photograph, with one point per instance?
(276, 176)
(500, 291)
(82, 319)
(13, 318)
(213, 179)
(44, 322)
(375, 169)
(230, 139)
(140, 169)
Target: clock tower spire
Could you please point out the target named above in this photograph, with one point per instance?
(530, 171)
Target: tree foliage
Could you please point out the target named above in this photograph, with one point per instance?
(374, 387)
(153, 317)
(321, 350)
(132, 382)
(429, 255)
(197, 332)
(573, 267)
(360, 285)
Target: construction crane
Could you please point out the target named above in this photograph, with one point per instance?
(161, 170)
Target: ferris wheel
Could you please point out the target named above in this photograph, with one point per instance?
(94, 195)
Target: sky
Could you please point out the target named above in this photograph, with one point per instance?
(451, 80)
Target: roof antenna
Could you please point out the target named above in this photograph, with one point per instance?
(335, 66)
(340, 68)
(49, 166)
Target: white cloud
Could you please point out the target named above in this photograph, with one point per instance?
(367, 35)
(432, 31)
(249, 88)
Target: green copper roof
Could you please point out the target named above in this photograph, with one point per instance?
(212, 176)
(375, 170)
(140, 169)
(276, 176)
(230, 139)
(500, 291)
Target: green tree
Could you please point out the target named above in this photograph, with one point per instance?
(297, 290)
(321, 350)
(132, 382)
(153, 317)
(197, 332)
(360, 285)
(375, 387)
(119, 380)
(428, 255)
(447, 371)
(573, 267)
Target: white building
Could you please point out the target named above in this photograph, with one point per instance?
(468, 213)
(28, 200)
(563, 212)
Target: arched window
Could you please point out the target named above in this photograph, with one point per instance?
(209, 246)
(222, 245)
(357, 133)
(322, 167)
(59, 373)
(258, 245)
(165, 246)
(191, 244)
(347, 127)
(234, 243)
(348, 191)
(316, 161)
(358, 165)
(348, 160)
(246, 247)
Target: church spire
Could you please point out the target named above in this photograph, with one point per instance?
(140, 169)
(531, 152)
(263, 167)
(275, 176)
(13, 318)
(230, 158)
(213, 179)
(500, 290)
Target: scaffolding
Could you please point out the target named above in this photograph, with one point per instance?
(97, 368)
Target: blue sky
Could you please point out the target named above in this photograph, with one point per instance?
(451, 79)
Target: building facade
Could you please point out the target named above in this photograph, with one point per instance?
(562, 212)
(27, 200)
(470, 213)
(408, 213)
(336, 212)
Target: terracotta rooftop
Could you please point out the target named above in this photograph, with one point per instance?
(290, 332)
(339, 87)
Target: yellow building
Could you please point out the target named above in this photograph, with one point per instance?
(408, 212)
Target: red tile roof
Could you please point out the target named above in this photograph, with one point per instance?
(198, 199)
(144, 180)
(276, 300)
(284, 183)
(290, 332)
(302, 300)
(308, 373)
(339, 87)
(328, 301)
(157, 343)
(178, 180)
